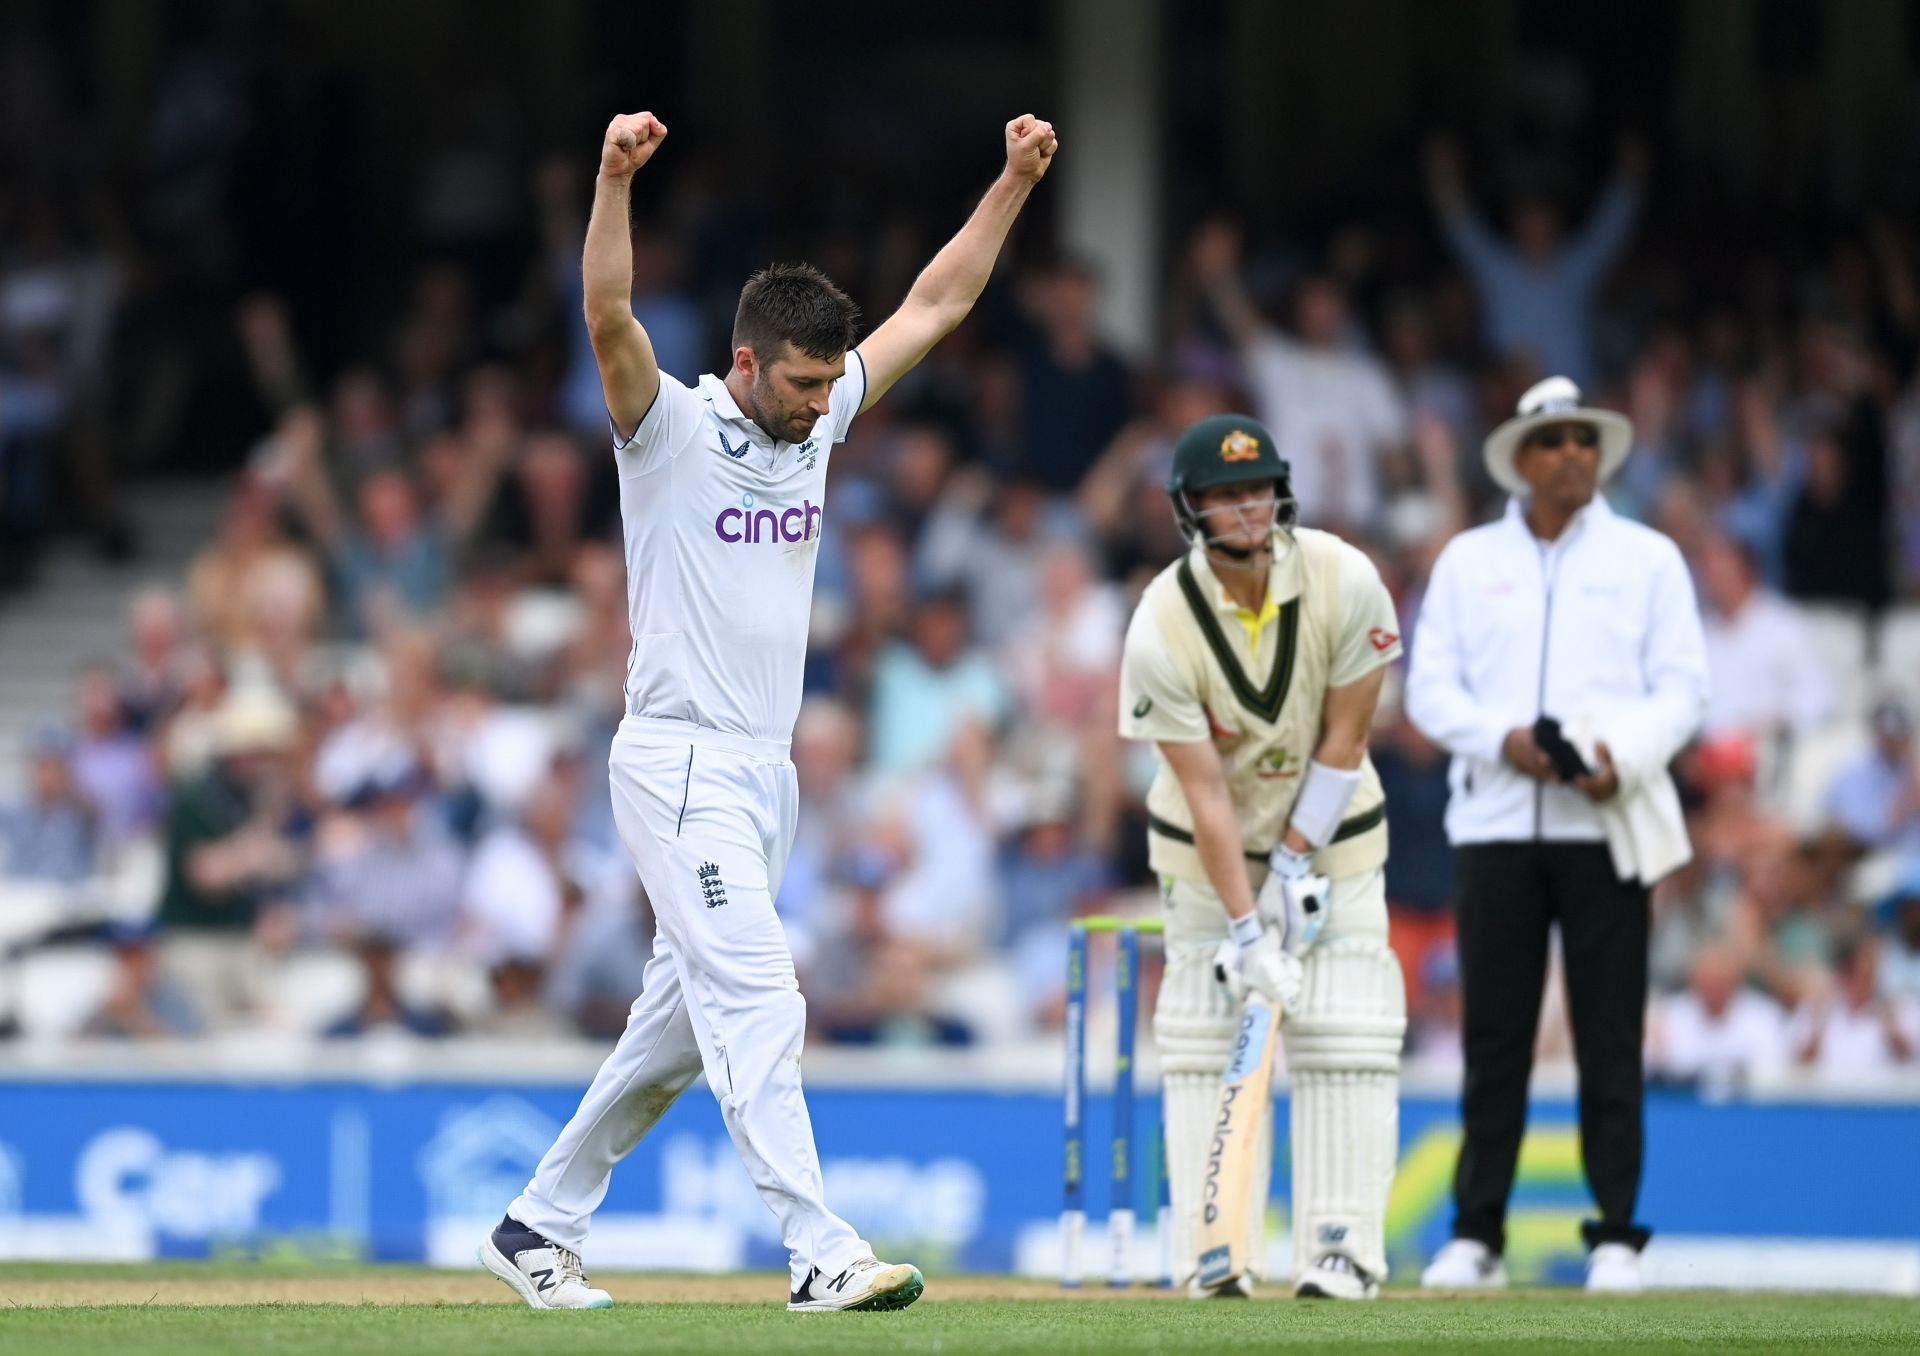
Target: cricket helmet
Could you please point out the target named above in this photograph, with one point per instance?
(1227, 449)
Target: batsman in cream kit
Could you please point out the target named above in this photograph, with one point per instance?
(1254, 665)
(722, 493)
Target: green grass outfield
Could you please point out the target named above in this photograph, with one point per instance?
(76, 1311)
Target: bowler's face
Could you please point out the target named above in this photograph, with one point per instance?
(790, 392)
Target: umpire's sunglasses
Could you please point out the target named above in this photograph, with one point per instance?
(1556, 435)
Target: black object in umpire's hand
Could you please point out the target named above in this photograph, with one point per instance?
(1568, 765)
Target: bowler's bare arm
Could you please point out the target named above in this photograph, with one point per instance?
(629, 373)
(948, 286)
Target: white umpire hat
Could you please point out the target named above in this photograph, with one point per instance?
(1554, 401)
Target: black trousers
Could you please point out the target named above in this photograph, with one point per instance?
(1508, 895)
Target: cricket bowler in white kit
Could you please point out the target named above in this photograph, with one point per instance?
(1254, 664)
(722, 493)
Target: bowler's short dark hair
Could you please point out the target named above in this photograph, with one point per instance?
(796, 303)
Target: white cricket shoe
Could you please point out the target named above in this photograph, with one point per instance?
(1233, 1288)
(867, 1284)
(1614, 1268)
(1336, 1276)
(541, 1272)
(1465, 1264)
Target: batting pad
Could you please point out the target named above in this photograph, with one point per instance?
(1194, 1024)
(1343, 1051)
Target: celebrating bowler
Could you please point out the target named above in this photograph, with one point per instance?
(722, 487)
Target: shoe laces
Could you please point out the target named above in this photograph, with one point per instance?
(570, 1265)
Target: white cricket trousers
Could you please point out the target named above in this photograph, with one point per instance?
(708, 819)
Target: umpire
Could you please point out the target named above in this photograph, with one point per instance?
(1558, 658)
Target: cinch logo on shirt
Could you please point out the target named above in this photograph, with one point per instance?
(752, 525)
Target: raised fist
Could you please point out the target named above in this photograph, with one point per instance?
(1030, 146)
(632, 138)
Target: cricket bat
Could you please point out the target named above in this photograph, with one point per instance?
(1245, 1103)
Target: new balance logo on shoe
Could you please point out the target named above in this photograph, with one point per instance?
(710, 885)
(543, 1279)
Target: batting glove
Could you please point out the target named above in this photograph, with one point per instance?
(1294, 900)
(1252, 961)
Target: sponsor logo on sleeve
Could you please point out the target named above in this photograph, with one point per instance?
(1383, 639)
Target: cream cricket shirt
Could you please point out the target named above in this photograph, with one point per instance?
(1199, 666)
(723, 529)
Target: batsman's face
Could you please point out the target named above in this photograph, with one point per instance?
(1237, 516)
(790, 392)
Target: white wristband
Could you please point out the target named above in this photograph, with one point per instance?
(1325, 793)
(1246, 930)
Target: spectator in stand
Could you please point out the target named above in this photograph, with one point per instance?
(394, 561)
(1767, 675)
(924, 690)
(1537, 291)
(914, 962)
(1047, 875)
(1852, 1030)
(1062, 662)
(387, 864)
(516, 881)
(600, 958)
(1077, 392)
(1335, 413)
(986, 537)
(1837, 547)
(826, 761)
(151, 682)
(112, 765)
(50, 837)
(1716, 1031)
(232, 857)
(1874, 802)
(252, 563)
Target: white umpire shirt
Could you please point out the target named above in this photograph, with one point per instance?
(723, 529)
(1597, 625)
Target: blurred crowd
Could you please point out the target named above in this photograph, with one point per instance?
(347, 773)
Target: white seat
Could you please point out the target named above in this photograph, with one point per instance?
(59, 989)
(314, 989)
(1812, 763)
(1899, 657)
(1840, 632)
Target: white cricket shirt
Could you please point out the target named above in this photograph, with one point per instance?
(722, 529)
